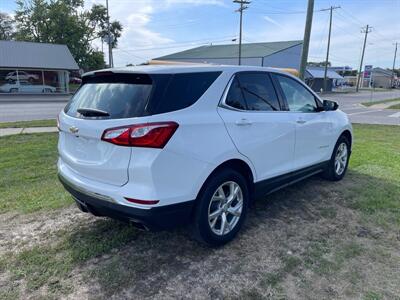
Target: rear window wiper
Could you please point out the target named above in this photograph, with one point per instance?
(92, 112)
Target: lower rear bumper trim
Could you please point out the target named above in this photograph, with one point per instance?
(155, 218)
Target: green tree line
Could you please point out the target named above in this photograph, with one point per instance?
(62, 22)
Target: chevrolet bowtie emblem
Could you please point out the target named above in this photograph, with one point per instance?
(74, 129)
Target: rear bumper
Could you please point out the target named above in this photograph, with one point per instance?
(155, 218)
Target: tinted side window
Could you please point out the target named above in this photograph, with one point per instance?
(297, 96)
(258, 91)
(183, 90)
(234, 97)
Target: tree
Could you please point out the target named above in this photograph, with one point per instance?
(6, 27)
(99, 14)
(65, 22)
(396, 71)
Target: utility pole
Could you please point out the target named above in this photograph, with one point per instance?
(109, 40)
(329, 44)
(365, 30)
(243, 6)
(394, 62)
(306, 39)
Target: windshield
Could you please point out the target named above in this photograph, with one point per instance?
(119, 100)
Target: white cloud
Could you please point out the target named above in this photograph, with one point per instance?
(139, 22)
(270, 20)
(137, 33)
(347, 39)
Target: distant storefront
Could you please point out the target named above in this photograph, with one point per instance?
(27, 67)
(314, 77)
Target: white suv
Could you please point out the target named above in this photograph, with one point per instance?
(159, 146)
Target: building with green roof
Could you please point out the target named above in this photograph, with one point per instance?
(284, 54)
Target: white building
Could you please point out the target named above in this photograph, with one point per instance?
(27, 67)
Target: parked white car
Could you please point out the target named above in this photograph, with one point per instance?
(159, 146)
(26, 87)
(12, 76)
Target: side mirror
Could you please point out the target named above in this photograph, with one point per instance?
(330, 105)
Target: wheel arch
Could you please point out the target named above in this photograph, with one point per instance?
(346, 133)
(238, 165)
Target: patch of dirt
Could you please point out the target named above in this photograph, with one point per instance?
(301, 242)
(21, 232)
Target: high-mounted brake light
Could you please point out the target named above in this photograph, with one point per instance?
(103, 73)
(151, 135)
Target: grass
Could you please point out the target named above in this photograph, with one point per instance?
(28, 175)
(395, 106)
(370, 103)
(116, 257)
(47, 264)
(376, 163)
(25, 124)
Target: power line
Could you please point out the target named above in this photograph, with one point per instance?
(357, 21)
(243, 6)
(183, 44)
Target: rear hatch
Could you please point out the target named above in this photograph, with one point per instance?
(108, 100)
(103, 101)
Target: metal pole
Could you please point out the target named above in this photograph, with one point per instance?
(306, 39)
(367, 30)
(240, 10)
(240, 33)
(329, 44)
(327, 51)
(394, 63)
(110, 58)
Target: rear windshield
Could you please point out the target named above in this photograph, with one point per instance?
(135, 95)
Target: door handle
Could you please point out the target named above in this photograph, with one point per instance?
(301, 121)
(243, 122)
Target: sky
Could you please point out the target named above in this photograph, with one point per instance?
(153, 28)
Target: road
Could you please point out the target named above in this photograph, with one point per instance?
(30, 107)
(47, 107)
(351, 104)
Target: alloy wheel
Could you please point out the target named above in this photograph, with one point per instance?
(225, 208)
(341, 159)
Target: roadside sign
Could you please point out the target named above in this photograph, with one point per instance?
(367, 71)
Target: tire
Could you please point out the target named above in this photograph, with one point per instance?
(14, 90)
(210, 200)
(332, 172)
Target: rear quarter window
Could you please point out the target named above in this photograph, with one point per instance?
(183, 90)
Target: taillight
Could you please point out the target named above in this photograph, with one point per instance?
(151, 135)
